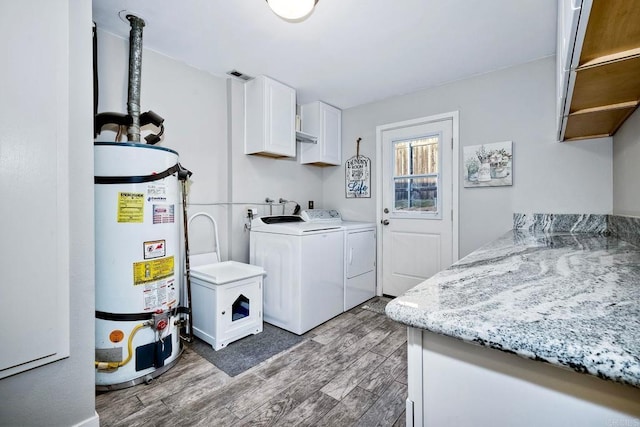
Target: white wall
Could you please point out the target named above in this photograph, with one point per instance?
(626, 173)
(515, 104)
(60, 393)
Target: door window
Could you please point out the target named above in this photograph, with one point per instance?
(416, 176)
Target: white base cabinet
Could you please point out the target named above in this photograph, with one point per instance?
(325, 122)
(269, 119)
(453, 383)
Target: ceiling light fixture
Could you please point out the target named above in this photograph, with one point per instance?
(292, 10)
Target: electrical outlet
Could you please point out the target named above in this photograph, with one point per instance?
(310, 204)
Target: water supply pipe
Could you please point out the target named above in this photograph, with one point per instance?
(135, 71)
(116, 365)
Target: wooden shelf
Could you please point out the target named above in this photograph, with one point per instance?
(613, 27)
(597, 122)
(607, 79)
(607, 84)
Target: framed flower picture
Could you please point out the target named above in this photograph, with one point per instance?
(488, 165)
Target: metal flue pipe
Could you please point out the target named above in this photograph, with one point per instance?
(135, 71)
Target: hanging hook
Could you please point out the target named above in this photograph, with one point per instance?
(358, 147)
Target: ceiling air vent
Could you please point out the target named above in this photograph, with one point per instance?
(238, 75)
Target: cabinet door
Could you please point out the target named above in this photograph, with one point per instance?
(280, 109)
(331, 125)
(324, 122)
(270, 118)
(567, 56)
(34, 183)
(568, 18)
(241, 304)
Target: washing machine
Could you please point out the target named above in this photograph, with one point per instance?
(304, 265)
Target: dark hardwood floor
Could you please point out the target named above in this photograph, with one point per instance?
(349, 371)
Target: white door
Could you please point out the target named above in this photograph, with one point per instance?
(418, 200)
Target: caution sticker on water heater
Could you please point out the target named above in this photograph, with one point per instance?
(131, 207)
(159, 295)
(152, 270)
(163, 214)
(155, 249)
(156, 277)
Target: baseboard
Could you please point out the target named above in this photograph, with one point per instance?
(90, 422)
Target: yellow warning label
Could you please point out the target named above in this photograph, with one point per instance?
(152, 270)
(130, 207)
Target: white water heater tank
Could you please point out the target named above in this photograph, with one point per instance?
(137, 262)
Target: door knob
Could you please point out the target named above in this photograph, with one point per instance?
(384, 222)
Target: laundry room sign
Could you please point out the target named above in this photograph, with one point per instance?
(358, 175)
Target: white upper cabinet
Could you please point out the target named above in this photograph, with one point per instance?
(269, 120)
(568, 16)
(325, 122)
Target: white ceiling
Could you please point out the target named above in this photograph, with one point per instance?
(348, 52)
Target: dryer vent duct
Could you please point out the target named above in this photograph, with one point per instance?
(133, 120)
(135, 71)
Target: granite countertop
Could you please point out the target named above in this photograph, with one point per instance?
(568, 298)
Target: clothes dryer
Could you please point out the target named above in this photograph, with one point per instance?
(359, 254)
(359, 262)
